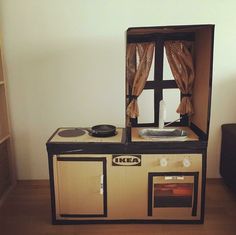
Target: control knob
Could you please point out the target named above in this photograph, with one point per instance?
(186, 162)
(163, 162)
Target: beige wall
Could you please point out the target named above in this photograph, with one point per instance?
(65, 64)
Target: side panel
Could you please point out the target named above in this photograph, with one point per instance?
(203, 77)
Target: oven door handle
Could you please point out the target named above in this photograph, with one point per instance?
(72, 151)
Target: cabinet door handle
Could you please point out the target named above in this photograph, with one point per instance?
(101, 184)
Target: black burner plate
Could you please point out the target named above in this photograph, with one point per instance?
(71, 133)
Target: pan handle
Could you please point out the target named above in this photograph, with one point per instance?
(88, 130)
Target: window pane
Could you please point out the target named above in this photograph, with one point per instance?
(146, 107)
(172, 100)
(167, 74)
(151, 72)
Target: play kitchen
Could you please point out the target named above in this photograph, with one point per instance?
(154, 169)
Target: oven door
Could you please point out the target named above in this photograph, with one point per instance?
(173, 195)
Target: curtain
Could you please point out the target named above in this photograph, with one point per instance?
(181, 64)
(137, 75)
(131, 63)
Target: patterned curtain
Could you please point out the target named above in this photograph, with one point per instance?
(137, 73)
(181, 63)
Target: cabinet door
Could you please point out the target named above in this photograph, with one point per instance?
(81, 186)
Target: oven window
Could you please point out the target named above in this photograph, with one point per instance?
(172, 190)
(173, 195)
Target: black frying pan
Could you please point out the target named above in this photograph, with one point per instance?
(102, 130)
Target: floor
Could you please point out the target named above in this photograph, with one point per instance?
(27, 211)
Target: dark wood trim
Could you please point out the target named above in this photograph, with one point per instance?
(202, 135)
(170, 27)
(151, 124)
(168, 84)
(139, 38)
(129, 147)
(52, 188)
(79, 159)
(134, 121)
(164, 84)
(210, 80)
(81, 215)
(195, 194)
(128, 134)
(124, 135)
(105, 192)
(184, 120)
(166, 147)
(158, 77)
(203, 190)
(150, 193)
(126, 221)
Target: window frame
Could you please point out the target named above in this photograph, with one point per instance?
(158, 84)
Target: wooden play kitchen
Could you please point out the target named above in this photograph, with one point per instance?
(154, 169)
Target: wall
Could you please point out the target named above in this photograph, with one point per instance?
(66, 66)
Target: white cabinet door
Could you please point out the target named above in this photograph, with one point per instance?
(81, 186)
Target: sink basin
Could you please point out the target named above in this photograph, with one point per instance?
(162, 133)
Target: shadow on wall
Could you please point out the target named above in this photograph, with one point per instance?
(222, 111)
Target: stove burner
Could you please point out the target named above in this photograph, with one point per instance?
(71, 133)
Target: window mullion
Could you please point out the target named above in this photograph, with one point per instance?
(158, 78)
